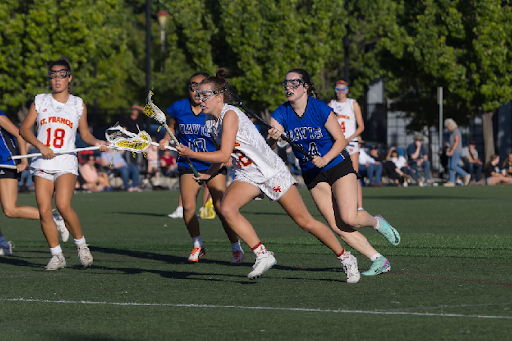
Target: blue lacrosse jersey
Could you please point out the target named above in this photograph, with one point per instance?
(191, 132)
(308, 131)
(8, 146)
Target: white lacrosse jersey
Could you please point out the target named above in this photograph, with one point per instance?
(254, 159)
(346, 116)
(56, 128)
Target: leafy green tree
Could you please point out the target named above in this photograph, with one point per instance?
(33, 33)
(464, 46)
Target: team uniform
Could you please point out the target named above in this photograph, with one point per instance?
(191, 132)
(310, 132)
(347, 119)
(57, 124)
(255, 162)
(8, 148)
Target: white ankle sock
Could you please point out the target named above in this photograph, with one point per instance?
(79, 241)
(198, 242)
(375, 256)
(378, 224)
(56, 250)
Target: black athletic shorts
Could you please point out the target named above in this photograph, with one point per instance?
(330, 175)
(7, 173)
(185, 170)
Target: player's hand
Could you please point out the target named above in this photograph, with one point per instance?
(47, 152)
(20, 167)
(228, 163)
(202, 177)
(163, 143)
(274, 133)
(103, 145)
(184, 151)
(319, 161)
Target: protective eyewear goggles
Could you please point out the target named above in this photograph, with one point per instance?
(343, 89)
(59, 74)
(204, 95)
(192, 86)
(292, 83)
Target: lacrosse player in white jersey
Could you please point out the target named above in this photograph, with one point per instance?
(257, 170)
(58, 116)
(348, 114)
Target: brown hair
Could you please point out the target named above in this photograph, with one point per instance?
(219, 83)
(304, 76)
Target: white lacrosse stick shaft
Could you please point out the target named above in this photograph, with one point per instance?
(8, 166)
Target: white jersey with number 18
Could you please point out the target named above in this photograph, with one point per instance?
(56, 128)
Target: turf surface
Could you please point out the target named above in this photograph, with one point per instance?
(450, 277)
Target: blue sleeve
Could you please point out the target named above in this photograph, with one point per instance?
(2, 113)
(410, 150)
(172, 110)
(324, 110)
(278, 116)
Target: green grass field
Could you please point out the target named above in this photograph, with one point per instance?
(450, 277)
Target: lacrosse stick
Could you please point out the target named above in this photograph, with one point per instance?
(151, 110)
(118, 138)
(8, 166)
(236, 101)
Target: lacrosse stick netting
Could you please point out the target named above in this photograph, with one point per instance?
(151, 110)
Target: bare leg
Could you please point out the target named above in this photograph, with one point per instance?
(189, 189)
(355, 164)
(64, 190)
(44, 194)
(9, 200)
(328, 207)
(217, 187)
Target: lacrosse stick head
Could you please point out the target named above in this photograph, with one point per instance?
(120, 138)
(151, 110)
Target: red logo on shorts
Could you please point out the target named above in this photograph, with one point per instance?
(45, 110)
(277, 189)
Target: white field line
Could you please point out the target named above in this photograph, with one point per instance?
(342, 311)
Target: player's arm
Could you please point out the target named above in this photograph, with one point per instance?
(26, 133)
(339, 144)
(274, 133)
(6, 124)
(229, 130)
(359, 120)
(85, 133)
(166, 140)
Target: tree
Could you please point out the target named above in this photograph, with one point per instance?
(464, 46)
(33, 33)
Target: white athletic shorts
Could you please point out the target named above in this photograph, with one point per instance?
(275, 187)
(48, 175)
(352, 147)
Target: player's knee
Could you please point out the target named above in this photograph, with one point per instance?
(350, 220)
(307, 224)
(228, 211)
(10, 212)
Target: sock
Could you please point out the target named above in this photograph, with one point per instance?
(378, 225)
(236, 246)
(344, 257)
(260, 250)
(79, 241)
(375, 256)
(56, 250)
(360, 209)
(198, 242)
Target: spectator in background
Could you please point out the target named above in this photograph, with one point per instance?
(454, 153)
(134, 123)
(168, 164)
(402, 167)
(152, 158)
(506, 168)
(471, 161)
(493, 175)
(418, 158)
(443, 159)
(126, 170)
(369, 166)
(94, 181)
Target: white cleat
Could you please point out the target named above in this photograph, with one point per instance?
(61, 226)
(261, 265)
(84, 254)
(177, 214)
(351, 270)
(57, 262)
(6, 251)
